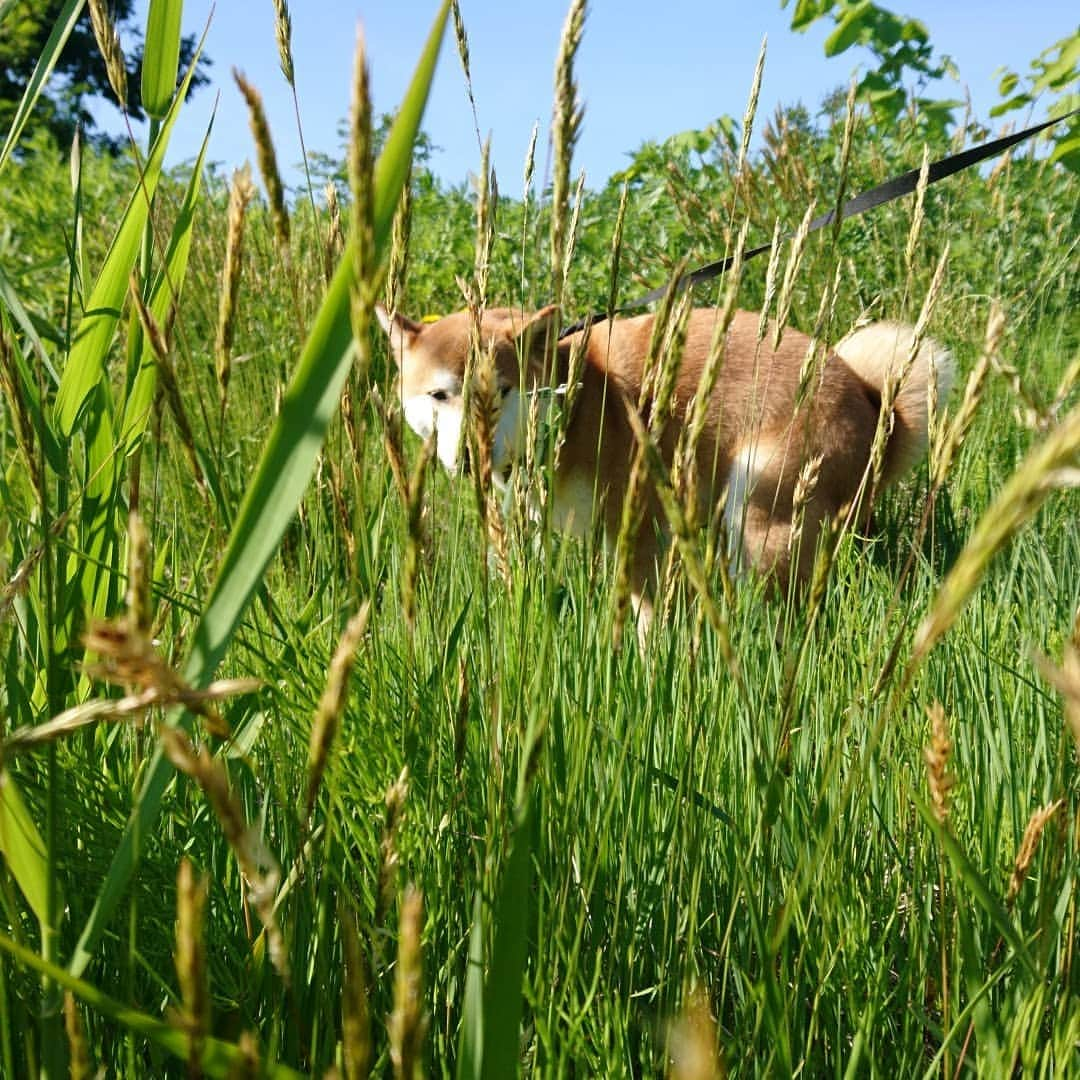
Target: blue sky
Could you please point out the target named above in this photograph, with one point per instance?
(645, 70)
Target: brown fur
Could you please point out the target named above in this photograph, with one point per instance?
(754, 442)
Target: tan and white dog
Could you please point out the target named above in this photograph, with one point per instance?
(754, 443)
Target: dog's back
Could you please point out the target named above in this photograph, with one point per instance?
(758, 434)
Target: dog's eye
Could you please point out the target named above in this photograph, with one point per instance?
(504, 390)
(439, 395)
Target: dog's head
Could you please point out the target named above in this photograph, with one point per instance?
(432, 359)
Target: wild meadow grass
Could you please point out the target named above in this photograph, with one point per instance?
(345, 773)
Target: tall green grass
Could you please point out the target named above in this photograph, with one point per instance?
(600, 842)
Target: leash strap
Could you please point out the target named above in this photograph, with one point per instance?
(887, 192)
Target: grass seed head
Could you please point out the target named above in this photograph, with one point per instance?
(1028, 846)
(693, 1048)
(566, 126)
(169, 383)
(190, 959)
(103, 21)
(1066, 680)
(332, 703)
(362, 183)
(355, 1003)
(258, 866)
(951, 438)
(80, 1064)
(11, 386)
(415, 540)
(241, 192)
(408, 1024)
(1048, 465)
(396, 795)
(138, 590)
(283, 34)
(398, 263)
(937, 754)
(805, 486)
(267, 158)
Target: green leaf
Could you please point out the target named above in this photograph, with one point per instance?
(217, 1058)
(808, 12)
(848, 28)
(28, 383)
(65, 23)
(161, 56)
(503, 999)
(1008, 83)
(86, 363)
(280, 480)
(471, 1046)
(1067, 152)
(1017, 102)
(23, 847)
(165, 292)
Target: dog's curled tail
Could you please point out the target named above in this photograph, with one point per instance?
(882, 349)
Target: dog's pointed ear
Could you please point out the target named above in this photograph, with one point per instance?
(399, 329)
(538, 335)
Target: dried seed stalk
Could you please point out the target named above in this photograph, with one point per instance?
(257, 865)
(805, 486)
(918, 215)
(566, 125)
(898, 375)
(414, 544)
(1028, 846)
(241, 192)
(362, 183)
(283, 34)
(1066, 680)
(332, 703)
(11, 385)
(335, 237)
(791, 272)
(103, 22)
(80, 1064)
(408, 1023)
(1044, 469)
(169, 384)
(267, 159)
(950, 439)
(355, 1004)
(396, 794)
(937, 754)
(398, 263)
(190, 959)
(693, 1047)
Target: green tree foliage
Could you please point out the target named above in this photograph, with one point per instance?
(80, 76)
(902, 49)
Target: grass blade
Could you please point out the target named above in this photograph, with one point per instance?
(503, 1000)
(280, 480)
(86, 363)
(976, 884)
(165, 292)
(218, 1058)
(61, 31)
(161, 57)
(22, 846)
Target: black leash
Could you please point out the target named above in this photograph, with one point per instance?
(896, 188)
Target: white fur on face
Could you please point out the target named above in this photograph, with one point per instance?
(425, 414)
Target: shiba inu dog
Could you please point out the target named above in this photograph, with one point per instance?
(754, 443)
